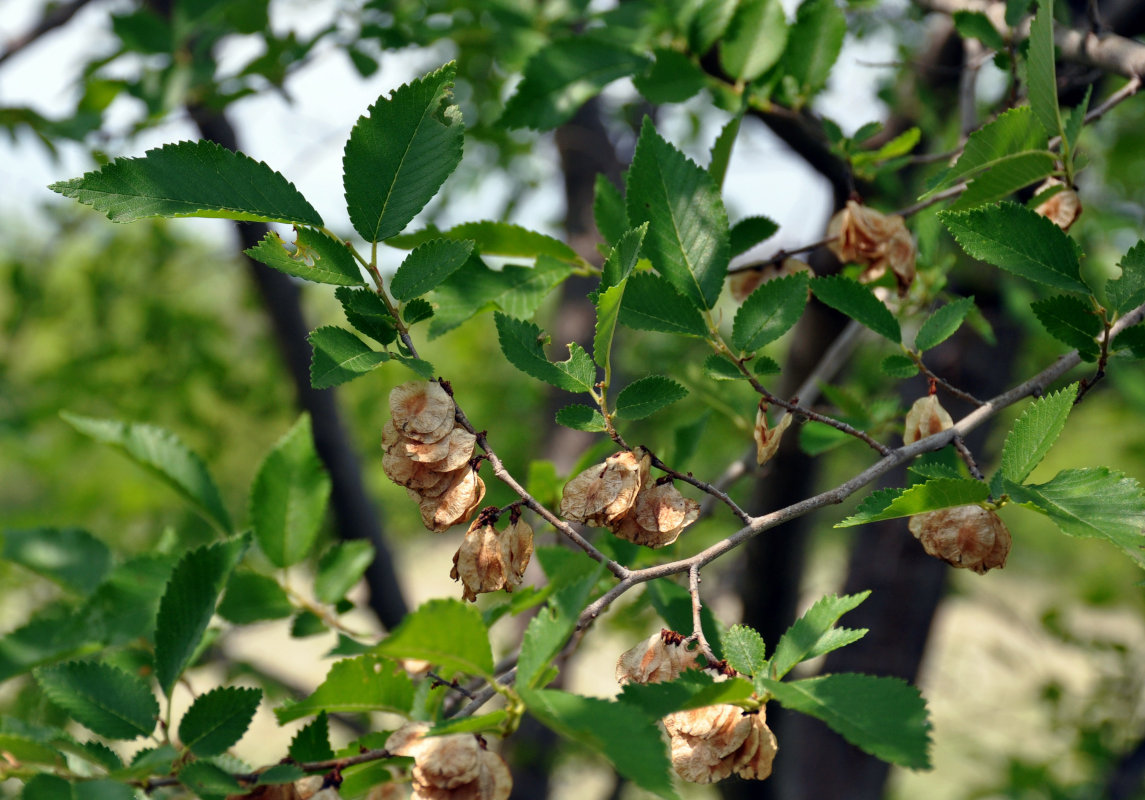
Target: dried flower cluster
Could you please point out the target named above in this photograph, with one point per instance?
(969, 537)
(427, 452)
(708, 744)
(489, 560)
(925, 418)
(877, 241)
(1063, 208)
(767, 439)
(453, 767)
(617, 495)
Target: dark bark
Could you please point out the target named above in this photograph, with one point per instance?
(355, 515)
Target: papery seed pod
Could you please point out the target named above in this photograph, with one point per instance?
(456, 504)
(969, 536)
(453, 767)
(877, 241)
(422, 410)
(414, 474)
(753, 760)
(661, 657)
(925, 418)
(516, 550)
(307, 787)
(704, 740)
(604, 493)
(478, 563)
(390, 790)
(447, 453)
(1063, 208)
(767, 439)
(658, 516)
(492, 782)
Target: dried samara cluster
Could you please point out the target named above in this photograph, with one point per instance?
(710, 743)
(453, 767)
(618, 495)
(490, 560)
(969, 537)
(878, 242)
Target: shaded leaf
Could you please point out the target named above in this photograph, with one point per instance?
(1010, 133)
(719, 367)
(581, 418)
(1128, 291)
(475, 288)
(251, 597)
(693, 689)
(1040, 72)
(813, 45)
(365, 683)
(648, 395)
(651, 304)
(899, 366)
(428, 265)
(340, 356)
(674, 605)
(312, 743)
(1034, 433)
(205, 779)
(749, 232)
(315, 257)
(367, 312)
(814, 633)
(1071, 320)
(976, 25)
(71, 557)
(1005, 177)
(859, 303)
(942, 324)
(930, 496)
(769, 312)
(218, 719)
(522, 344)
(608, 209)
(722, 156)
(622, 258)
(672, 78)
(755, 40)
(574, 579)
(109, 701)
(448, 633)
(607, 315)
(417, 310)
(745, 650)
(340, 567)
(494, 238)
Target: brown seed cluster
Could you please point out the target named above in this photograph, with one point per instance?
(453, 767)
(925, 418)
(618, 495)
(969, 537)
(1063, 208)
(877, 241)
(490, 560)
(428, 453)
(710, 743)
(767, 439)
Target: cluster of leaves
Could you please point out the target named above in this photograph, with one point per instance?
(669, 243)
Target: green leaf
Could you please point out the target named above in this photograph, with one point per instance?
(522, 343)
(188, 604)
(1034, 433)
(190, 179)
(422, 369)
(709, 23)
(813, 45)
(859, 303)
(50, 787)
(745, 650)
(942, 324)
(561, 76)
(648, 395)
(672, 78)
(417, 310)
(339, 356)
(1011, 133)
(1128, 291)
(749, 232)
(428, 265)
(340, 567)
(71, 557)
(355, 685)
(1040, 71)
(721, 368)
(622, 258)
(1017, 239)
(899, 366)
(815, 633)
(30, 751)
(550, 629)
(1075, 121)
(1132, 339)
(687, 240)
(218, 719)
(447, 633)
(693, 689)
(163, 454)
(481, 723)
(367, 312)
(251, 597)
(492, 238)
(288, 498)
(651, 304)
(721, 157)
(124, 606)
(105, 699)
(312, 743)
(630, 741)
(1093, 503)
(885, 717)
(755, 41)
(762, 365)
(674, 605)
(205, 779)
(400, 154)
(1004, 177)
(930, 496)
(1071, 320)
(608, 209)
(280, 774)
(769, 312)
(315, 257)
(475, 288)
(976, 25)
(581, 418)
(607, 315)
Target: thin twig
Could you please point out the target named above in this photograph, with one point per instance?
(709, 489)
(149, 784)
(968, 458)
(947, 385)
(697, 617)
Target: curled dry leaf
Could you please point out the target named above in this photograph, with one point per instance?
(876, 241)
(925, 418)
(1063, 208)
(422, 410)
(969, 537)
(767, 439)
(658, 516)
(661, 657)
(604, 493)
(453, 767)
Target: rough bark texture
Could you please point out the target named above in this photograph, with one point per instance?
(355, 515)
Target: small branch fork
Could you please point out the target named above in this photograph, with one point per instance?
(333, 766)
